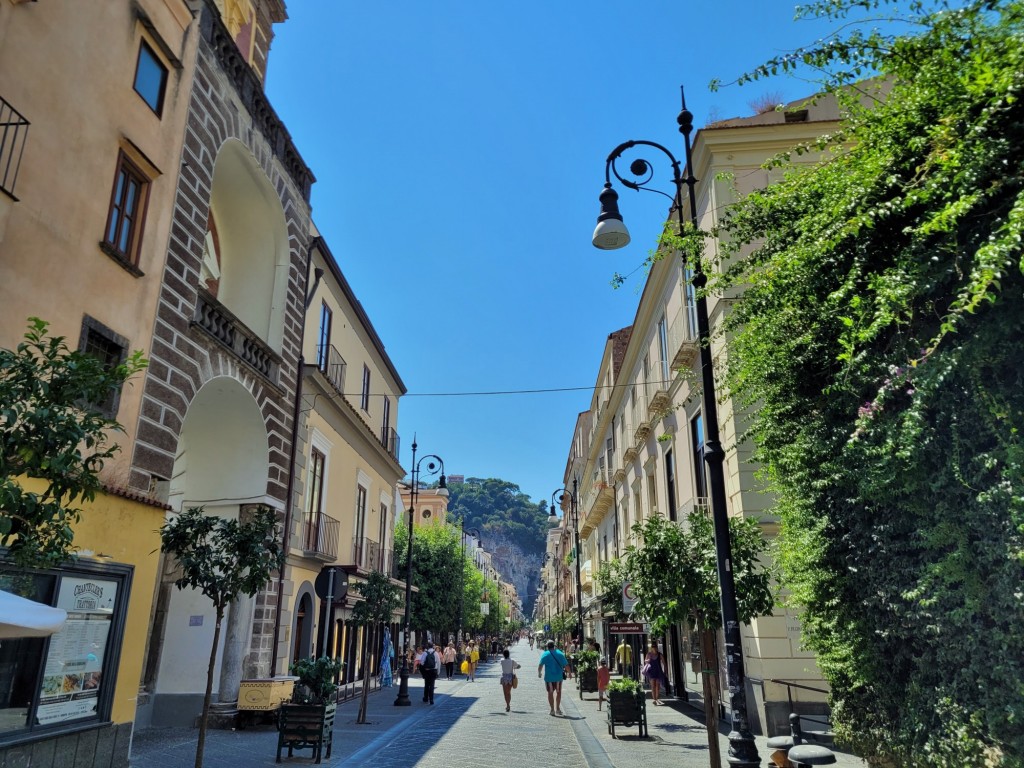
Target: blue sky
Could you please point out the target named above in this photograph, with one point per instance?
(459, 150)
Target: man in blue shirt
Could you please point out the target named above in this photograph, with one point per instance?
(552, 667)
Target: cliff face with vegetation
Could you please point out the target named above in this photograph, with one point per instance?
(513, 527)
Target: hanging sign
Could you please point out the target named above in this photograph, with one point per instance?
(485, 609)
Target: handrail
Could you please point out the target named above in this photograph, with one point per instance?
(789, 696)
(13, 132)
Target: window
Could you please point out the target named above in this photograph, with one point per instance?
(314, 501)
(360, 515)
(697, 442)
(663, 351)
(366, 389)
(127, 208)
(670, 482)
(691, 304)
(323, 342)
(386, 423)
(51, 684)
(150, 78)
(111, 350)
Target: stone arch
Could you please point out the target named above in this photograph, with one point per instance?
(251, 240)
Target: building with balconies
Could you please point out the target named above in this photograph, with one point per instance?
(347, 473)
(647, 435)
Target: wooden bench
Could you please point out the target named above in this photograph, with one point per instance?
(305, 726)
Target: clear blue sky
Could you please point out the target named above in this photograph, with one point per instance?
(459, 149)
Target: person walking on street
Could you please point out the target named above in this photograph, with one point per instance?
(508, 676)
(655, 672)
(429, 666)
(552, 669)
(603, 676)
(448, 659)
(624, 658)
(473, 654)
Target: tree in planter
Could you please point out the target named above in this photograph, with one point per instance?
(222, 559)
(675, 579)
(52, 430)
(316, 683)
(380, 601)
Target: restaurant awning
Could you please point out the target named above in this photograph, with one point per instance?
(20, 617)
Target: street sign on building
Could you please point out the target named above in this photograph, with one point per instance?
(627, 628)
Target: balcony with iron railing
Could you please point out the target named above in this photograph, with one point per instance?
(222, 326)
(683, 345)
(366, 554)
(320, 537)
(390, 440)
(332, 365)
(597, 500)
(658, 392)
(13, 132)
(641, 414)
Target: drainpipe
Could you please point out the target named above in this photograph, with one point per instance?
(296, 407)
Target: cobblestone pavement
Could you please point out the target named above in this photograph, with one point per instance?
(467, 726)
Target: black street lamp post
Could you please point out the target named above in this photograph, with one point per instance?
(609, 234)
(434, 466)
(574, 509)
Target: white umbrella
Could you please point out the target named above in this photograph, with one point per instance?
(26, 618)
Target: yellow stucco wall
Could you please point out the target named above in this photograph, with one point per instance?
(127, 532)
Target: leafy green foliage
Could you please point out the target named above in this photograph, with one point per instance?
(625, 685)
(674, 573)
(49, 431)
(610, 577)
(498, 506)
(436, 564)
(879, 340)
(380, 600)
(223, 558)
(316, 679)
(586, 660)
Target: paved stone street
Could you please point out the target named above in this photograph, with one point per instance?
(468, 726)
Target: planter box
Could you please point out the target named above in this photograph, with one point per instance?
(305, 726)
(627, 709)
(586, 681)
(264, 695)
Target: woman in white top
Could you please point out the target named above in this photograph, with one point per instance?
(508, 672)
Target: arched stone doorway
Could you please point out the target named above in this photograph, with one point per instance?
(221, 465)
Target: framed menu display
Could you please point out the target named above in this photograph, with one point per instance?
(74, 664)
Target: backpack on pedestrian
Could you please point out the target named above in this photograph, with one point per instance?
(429, 661)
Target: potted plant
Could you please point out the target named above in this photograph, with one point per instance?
(586, 671)
(308, 722)
(627, 705)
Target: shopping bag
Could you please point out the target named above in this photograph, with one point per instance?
(515, 681)
(465, 667)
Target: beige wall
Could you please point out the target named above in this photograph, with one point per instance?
(50, 259)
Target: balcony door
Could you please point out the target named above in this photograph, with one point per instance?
(314, 502)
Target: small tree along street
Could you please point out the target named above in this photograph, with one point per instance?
(53, 431)
(222, 559)
(673, 569)
(380, 600)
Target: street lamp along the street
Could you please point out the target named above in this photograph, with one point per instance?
(434, 466)
(574, 510)
(609, 234)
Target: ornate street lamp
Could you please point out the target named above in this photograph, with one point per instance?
(609, 234)
(434, 466)
(574, 509)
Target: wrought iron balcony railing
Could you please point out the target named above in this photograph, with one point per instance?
(320, 537)
(332, 365)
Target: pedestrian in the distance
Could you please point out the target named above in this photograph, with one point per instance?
(552, 669)
(429, 665)
(508, 676)
(624, 658)
(655, 672)
(448, 659)
(603, 676)
(474, 659)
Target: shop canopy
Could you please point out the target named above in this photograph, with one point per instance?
(26, 618)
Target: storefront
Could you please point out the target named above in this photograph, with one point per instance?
(63, 685)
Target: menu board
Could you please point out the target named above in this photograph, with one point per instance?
(73, 671)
